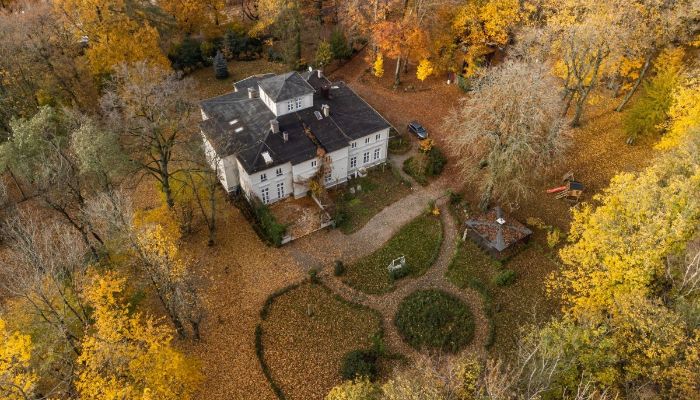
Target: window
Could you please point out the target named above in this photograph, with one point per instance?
(353, 162)
(313, 163)
(265, 195)
(366, 140)
(279, 171)
(263, 177)
(280, 190)
(378, 136)
(377, 152)
(290, 105)
(298, 103)
(353, 145)
(365, 157)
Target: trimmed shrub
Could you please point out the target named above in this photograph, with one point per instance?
(399, 273)
(506, 277)
(358, 364)
(339, 268)
(433, 319)
(313, 276)
(272, 230)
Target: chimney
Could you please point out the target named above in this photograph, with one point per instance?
(320, 74)
(326, 109)
(326, 92)
(252, 93)
(274, 126)
(285, 136)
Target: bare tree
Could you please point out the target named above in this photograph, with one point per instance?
(684, 271)
(153, 113)
(509, 132)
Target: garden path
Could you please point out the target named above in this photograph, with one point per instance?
(387, 304)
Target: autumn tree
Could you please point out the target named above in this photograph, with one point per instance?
(425, 69)
(116, 31)
(17, 380)
(378, 66)
(324, 54)
(45, 67)
(40, 152)
(617, 284)
(197, 16)
(684, 112)
(481, 27)
(508, 132)
(128, 355)
(650, 111)
(650, 27)
(152, 111)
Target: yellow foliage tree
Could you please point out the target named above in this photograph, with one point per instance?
(17, 381)
(619, 248)
(425, 69)
(116, 33)
(483, 25)
(684, 114)
(128, 356)
(378, 67)
(195, 16)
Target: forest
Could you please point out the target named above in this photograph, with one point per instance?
(127, 271)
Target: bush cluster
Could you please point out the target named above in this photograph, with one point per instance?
(506, 277)
(359, 364)
(425, 165)
(433, 319)
(193, 53)
(271, 230)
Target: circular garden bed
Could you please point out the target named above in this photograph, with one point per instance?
(435, 320)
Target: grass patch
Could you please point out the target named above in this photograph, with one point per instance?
(472, 268)
(435, 320)
(419, 241)
(381, 187)
(305, 334)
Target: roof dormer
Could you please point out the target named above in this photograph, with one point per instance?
(286, 93)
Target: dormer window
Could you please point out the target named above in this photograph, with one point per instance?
(290, 105)
(298, 102)
(294, 104)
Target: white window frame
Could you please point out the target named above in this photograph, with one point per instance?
(366, 140)
(298, 102)
(377, 153)
(313, 163)
(365, 157)
(280, 190)
(353, 162)
(263, 177)
(265, 195)
(378, 136)
(290, 105)
(353, 145)
(279, 171)
(329, 177)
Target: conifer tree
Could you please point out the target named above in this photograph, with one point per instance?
(220, 67)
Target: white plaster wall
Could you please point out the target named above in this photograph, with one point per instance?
(252, 185)
(382, 143)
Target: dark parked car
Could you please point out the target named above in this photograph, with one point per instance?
(417, 129)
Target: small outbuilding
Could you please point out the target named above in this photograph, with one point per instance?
(497, 233)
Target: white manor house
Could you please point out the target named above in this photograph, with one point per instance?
(274, 133)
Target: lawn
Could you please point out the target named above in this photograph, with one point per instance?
(506, 307)
(419, 241)
(381, 187)
(307, 332)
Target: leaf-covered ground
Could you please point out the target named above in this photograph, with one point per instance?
(306, 334)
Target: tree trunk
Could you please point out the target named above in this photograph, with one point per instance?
(628, 96)
(14, 179)
(405, 65)
(584, 92)
(397, 73)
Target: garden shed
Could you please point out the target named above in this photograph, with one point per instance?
(497, 233)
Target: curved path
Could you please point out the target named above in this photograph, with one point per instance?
(387, 304)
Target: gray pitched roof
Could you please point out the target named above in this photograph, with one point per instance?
(285, 86)
(241, 125)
